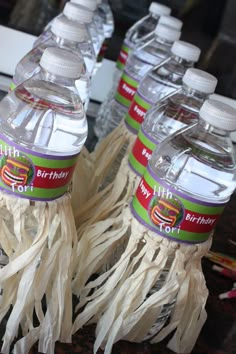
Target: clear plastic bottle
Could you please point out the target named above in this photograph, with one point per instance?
(161, 81)
(96, 26)
(81, 16)
(65, 34)
(172, 114)
(190, 178)
(171, 21)
(142, 28)
(136, 36)
(106, 14)
(43, 128)
(139, 63)
(104, 11)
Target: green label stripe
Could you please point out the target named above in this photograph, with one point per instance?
(198, 208)
(125, 48)
(142, 102)
(38, 193)
(136, 166)
(129, 80)
(12, 86)
(131, 122)
(147, 142)
(40, 161)
(122, 100)
(131, 117)
(119, 65)
(182, 236)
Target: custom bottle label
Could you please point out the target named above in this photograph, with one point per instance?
(135, 116)
(32, 175)
(171, 213)
(126, 89)
(142, 152)
(123, 56)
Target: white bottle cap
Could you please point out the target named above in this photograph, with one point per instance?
(186, 51)
(218, 114)
(167, 32)
(61, 62)
(67, 29)
(200, 80)
(159, 9)
(77, 13)
(89, 4)
(171, 22)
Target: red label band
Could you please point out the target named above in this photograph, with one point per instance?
(126, 90)
(52, 177)
(141, 152)
(137, 112)
(123, 56)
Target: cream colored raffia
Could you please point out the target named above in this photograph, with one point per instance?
(119, 300)
(40, 240)
(93, 169)
(105, 206)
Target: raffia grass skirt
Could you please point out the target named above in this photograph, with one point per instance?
(119, 299)
(95, 174)
(40, 241)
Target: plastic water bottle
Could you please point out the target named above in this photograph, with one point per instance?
(96, 26)
(81, 16)
(43, 129)
(142, 28)
(190, 178)
(172, 114)
(161, 81)
(138, 34)
(104, 11)
(139, 63)
(65, 34)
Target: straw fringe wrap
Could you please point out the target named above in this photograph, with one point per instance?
(120, 302)
(40, 240)
(96, 173)
(94, 248)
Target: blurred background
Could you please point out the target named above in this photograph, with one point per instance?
(209, 24)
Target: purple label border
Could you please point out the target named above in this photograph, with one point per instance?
(38, 154)
(181, 194)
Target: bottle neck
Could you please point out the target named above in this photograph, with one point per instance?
(163, 41)
(210, 129)
(183, 62)
(62, 42)
(189, 91)
(69, 83)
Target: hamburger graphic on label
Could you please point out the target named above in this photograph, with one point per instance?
(166, 211)
(16, 170)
